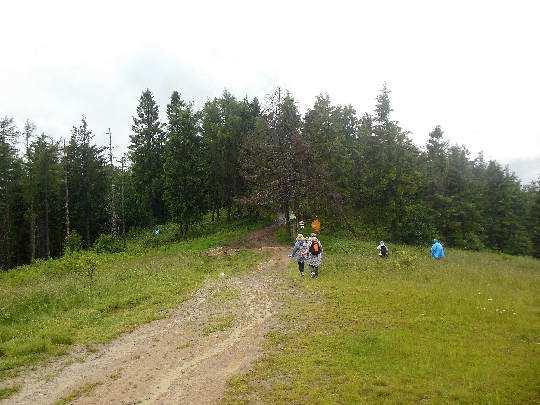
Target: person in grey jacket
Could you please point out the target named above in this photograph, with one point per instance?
(315, 255)
(299, 252)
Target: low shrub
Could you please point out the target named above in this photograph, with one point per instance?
(73, 242)
(169, 232)
(84, 263)
(106, 243)
(473, 242)
(283, 236)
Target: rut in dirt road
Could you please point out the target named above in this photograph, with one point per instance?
(186, 358)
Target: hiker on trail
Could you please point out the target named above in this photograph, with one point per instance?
(315, 255)
(383, 250)
(299, 252)
(437, 250)
(316, 225)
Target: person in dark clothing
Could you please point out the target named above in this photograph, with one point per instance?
(383, 250)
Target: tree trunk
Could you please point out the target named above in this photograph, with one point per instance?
(288, 219)
(47, 247)
(32, 234)
(122, 197)
(66, 185)
(87, 229)
(67, 208)
(4, 240)
(114, 219)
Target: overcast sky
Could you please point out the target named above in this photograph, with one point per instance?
(470, 66)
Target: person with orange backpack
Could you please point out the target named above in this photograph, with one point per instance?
(315, 255)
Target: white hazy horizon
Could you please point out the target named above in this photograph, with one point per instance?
(471, 67)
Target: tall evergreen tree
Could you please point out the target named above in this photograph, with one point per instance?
(212, 124)
(11, 193)
(391, 174)
(329, 132)
(226, 122)
(270, 158)
(146, 154)
(534, 217)
(29, 135)
(184, 166)
(45, 193)
(88, 184)
(505, 213)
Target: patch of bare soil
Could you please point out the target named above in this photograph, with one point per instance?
(186, 358)
(265, 237)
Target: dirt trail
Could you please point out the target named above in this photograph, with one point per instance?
(186, 358)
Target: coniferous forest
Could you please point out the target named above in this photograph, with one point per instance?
(242, 158)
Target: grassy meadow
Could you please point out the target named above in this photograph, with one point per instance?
(403, 330)
(407, 329)
(87, 298)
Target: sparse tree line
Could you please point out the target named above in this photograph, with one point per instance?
(235, 158)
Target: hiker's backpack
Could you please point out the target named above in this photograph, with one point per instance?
(384, 250)
(315, 248)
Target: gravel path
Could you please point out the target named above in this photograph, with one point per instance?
(186, 358)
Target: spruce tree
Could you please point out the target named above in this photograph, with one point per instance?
(330, 132)
(88, 184)
(45, 195)
(534, 218)
(184, 166)
(10, 193)
(146, 154)
(212, 131)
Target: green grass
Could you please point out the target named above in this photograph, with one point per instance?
(50, 305)
(226, 294)
(8, 392)
(404, 330)
(78, 393)
(218, 325)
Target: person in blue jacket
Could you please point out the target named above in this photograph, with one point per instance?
(437, 250)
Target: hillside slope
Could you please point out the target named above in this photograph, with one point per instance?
(403, 330)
